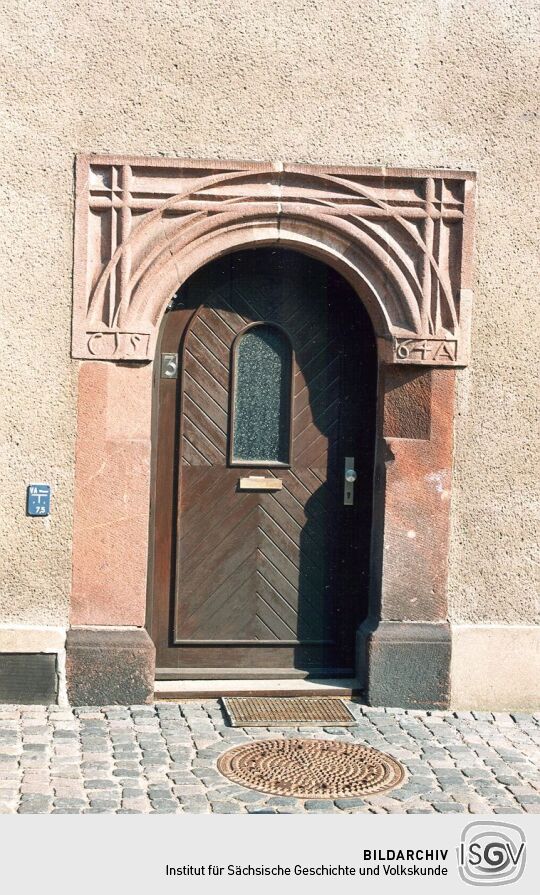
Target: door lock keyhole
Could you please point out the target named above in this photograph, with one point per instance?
(350, 479)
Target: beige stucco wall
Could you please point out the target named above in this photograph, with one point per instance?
(495, 667)
(322, 81)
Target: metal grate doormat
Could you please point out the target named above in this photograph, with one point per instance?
(307, 769)
(287, 711)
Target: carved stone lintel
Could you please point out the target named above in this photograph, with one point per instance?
(402, 237)
(434, 352)
(118, 346)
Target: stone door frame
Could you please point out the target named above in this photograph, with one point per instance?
(403, 240)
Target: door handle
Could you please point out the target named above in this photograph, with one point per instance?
(349, 480)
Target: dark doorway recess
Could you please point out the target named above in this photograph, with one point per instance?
(277, 375)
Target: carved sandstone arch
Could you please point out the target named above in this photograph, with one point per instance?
(401, 238)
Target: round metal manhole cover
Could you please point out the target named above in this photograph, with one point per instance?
(307, 769)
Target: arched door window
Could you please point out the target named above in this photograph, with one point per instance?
(261, 397)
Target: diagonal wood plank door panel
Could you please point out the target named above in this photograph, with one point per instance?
(265, 569)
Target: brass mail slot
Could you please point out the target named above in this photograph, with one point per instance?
(260, 483)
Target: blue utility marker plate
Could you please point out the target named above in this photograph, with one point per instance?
(38, 500)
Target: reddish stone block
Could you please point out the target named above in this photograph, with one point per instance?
(109, 667)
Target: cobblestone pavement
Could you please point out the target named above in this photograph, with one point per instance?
(162, 759)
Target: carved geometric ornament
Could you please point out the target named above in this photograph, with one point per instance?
(403, 238)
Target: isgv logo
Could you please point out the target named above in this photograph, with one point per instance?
(491, 854)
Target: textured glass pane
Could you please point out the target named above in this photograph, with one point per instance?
(262, 396)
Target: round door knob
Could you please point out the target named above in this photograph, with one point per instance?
(350, 475)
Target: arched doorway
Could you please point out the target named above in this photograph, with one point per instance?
(403, 240)
(261, 546)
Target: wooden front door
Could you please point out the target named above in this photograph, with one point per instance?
(261, 548)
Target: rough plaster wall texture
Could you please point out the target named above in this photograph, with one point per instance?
(448, 84)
